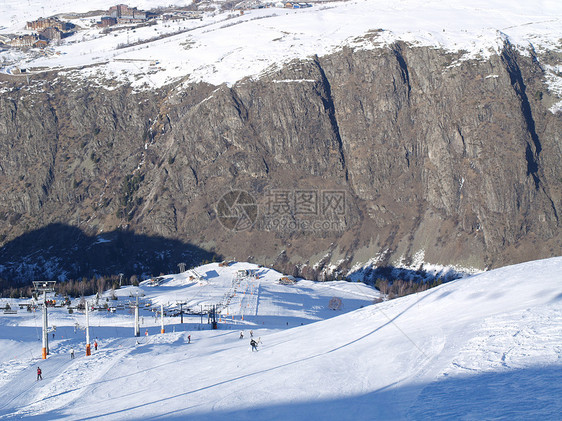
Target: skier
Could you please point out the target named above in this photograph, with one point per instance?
(251, 333)
(39, 377)
(95, 345)
(254, 345)
(188, 339)
(71, 353)
(241, 335)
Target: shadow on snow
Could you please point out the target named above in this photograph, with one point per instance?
(532, 393)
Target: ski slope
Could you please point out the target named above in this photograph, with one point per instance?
(484, 347)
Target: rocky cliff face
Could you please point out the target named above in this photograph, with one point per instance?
(359, 154)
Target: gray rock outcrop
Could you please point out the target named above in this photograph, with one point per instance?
(460, 159)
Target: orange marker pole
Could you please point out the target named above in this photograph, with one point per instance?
(88, 351)
(45, 349)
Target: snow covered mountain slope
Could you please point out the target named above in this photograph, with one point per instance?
(225, 46)
(483, 347)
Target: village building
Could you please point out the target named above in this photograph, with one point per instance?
(51, 34)
(44, 23)
(47, 30)
(107, 21)
(23, 41)
(122, 12)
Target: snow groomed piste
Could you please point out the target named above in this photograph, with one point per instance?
(483, 347)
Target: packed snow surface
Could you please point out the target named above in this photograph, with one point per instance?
(226, 46)
(487, 346)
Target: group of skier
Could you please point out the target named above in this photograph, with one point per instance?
(72, 356)
(253, 342)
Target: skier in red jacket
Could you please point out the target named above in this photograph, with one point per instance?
(39, 377)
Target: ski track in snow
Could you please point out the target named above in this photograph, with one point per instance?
(509, 342)
(64, 381)
(505, 366)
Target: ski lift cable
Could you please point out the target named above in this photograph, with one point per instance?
(392, 321)
(36, 327)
